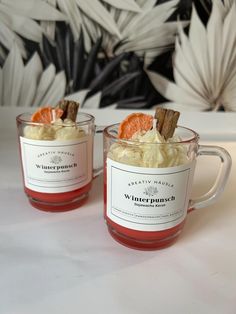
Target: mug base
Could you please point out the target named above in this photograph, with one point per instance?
(143, 245)
(58, 202)
(59, 207)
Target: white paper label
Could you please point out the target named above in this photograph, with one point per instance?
(148, 199)
(56, 166)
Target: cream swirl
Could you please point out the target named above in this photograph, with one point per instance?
(59, 130)
(150, 150)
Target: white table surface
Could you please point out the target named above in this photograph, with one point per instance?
(66, 263)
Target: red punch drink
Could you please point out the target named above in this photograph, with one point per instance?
(55, 202)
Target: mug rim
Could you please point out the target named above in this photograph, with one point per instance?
(194, 138)
(88, 119)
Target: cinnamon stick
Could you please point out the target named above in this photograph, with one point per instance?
(63, 104)
(166, 121)
(70, 109)
(160, 117)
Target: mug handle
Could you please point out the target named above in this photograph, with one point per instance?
(99, 170)
(215, 191)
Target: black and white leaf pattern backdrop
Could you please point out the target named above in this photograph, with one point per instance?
(94, 51)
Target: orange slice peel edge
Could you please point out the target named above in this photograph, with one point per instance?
(133, 123)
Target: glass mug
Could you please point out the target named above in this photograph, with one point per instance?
(57, 173)
(145, 206)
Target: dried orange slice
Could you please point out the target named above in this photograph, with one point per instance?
(45, 114)
(133, 123)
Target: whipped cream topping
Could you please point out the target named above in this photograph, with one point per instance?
(59, 130)
(150, 149)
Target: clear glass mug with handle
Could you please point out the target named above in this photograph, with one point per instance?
(57, 161)
(147, 186)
